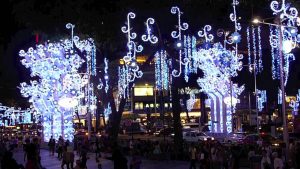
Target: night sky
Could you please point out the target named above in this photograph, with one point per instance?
(102, 20)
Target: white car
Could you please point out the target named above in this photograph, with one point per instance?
(234, 137)
(193, 136)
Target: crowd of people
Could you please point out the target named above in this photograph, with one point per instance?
(202, 155)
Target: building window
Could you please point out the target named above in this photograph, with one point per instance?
(143, 91)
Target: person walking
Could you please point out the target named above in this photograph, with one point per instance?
(265, 161)
(193, 152)
(60, 147)
(51, 145)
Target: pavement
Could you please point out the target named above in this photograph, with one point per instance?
(52, 162)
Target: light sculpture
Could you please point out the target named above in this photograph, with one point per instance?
(13, 116)
(149, 36)
(219, 64)
(178, 36)
(60, 84)
(130, 70)
(107, 111)
(261, 99)
(133, 48)
(295, 103)
(192, 100)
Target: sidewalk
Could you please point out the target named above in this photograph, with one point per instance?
(52, 162)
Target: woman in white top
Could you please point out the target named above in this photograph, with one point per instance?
(278, 163)
(265, 161)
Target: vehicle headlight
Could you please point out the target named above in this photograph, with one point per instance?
(205, 139)
(212, 138)
(275, 144)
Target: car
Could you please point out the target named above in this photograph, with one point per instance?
(194, 136)
(164, 132)
(266, 139)
(234, 137)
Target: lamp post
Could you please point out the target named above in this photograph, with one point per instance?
(281, 71)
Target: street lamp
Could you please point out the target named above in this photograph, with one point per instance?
(284, 47)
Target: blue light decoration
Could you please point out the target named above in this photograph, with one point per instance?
(162, 79)
(106, 76)
(177, 35)
(257, 49)
(261, 99)
(133, 48)
(288, 29)
(273, 39)
(149, 36)
(279, 96)
(130, 70)
(107, 111)
(218, 65)
(189, 49)
(60, 88)
(12, 116)
(295, 103)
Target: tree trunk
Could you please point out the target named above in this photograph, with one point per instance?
(115, 118)
(177, 122)
(185, 106)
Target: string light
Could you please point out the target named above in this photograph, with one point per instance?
(161, 71)
(249, 50)
(261, 99)
(260, 65)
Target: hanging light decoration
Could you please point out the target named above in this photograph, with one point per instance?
(133, 48)
(179, 44)
(257, 49)
(273, 39)
(289, 19)
(261, 99)
(162, 79)
(106, 76)
(149, 37)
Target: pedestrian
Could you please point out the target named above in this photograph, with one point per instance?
(60, 147)
(278, 163)
(192, 152)
(8, 162)
(120, 161)
(135, 162)
(265, 161)
(51, 145)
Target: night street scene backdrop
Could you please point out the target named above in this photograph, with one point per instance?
(143, 82)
